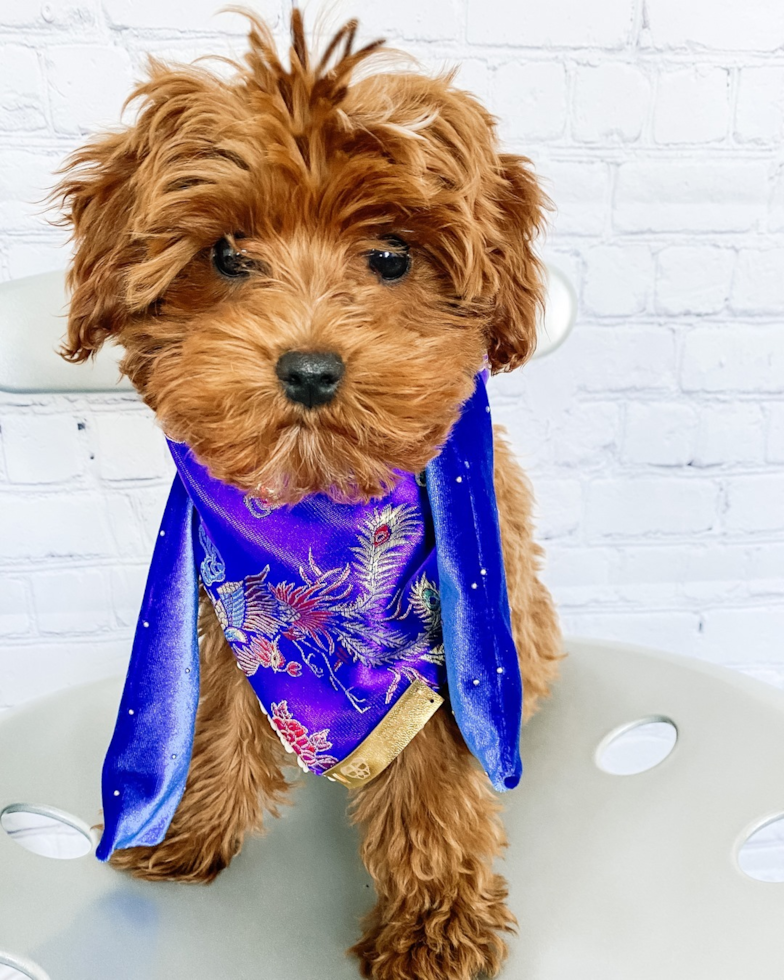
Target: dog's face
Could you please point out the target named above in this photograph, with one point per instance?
(305, 274)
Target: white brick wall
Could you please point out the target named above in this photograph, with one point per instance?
(654, 437)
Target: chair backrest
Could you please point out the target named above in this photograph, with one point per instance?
(32, 324)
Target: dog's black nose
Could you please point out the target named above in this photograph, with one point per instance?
(310, 378)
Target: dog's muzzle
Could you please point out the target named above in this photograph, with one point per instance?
(310, 378)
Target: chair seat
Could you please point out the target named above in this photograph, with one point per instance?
(611, 877)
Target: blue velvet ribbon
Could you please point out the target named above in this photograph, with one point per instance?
(147, 762)
(483, 673)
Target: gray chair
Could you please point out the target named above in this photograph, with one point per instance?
(612, 877)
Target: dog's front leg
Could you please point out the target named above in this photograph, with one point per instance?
(430, 833)
(235, 774)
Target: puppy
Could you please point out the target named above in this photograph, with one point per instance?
(293, 209)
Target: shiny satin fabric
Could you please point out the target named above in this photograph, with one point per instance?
(331, 610)
(459, 554)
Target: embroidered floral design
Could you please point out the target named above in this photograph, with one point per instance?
(212, 568)
(309, 749)
(343, 615)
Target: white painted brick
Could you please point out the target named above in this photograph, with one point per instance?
(531, 100)
(436, 20)
(474, 76)
(72, 600)
(690, 195)
(127, 585)
(649, 576)
(598, 118)
(624, 358)
(130, 446)
(733, 358)
(14, 612)
(776, 218)
(26, 176)
(716, 24)
(666, 575)
(650, 506)
(692, 106)
(79, 15)
(586, 434)
(729, 435)
(775, 434)
(53, 526)
(183, 15)
(129, 539)
(40, 448)
(754, 503)
(659, 432)
(560, 23)
(618, 279)
(758, 286)
(150, 503)
(528, 435)
(558, 507)
(21, 89)
(550, 385)
(765, 569)
(579, 576)
(759, 112)
(87, 86)
(693, 278)
(745, 636)
(184, 50)
(580, 191)
(715, 572)
(677, 632)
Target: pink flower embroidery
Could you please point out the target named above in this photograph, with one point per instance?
(309, 748)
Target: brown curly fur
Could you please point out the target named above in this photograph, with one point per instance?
(313, 169)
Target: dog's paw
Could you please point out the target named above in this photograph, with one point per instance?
(458, 943)
(173, 860)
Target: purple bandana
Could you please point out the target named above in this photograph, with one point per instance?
(332, 611)
(351, 622)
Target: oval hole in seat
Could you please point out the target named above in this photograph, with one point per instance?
(16, 968)
(47, 831)
(637, 747)
(761, 855)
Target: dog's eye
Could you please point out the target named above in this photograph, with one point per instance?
(231, 261)
(390, 263)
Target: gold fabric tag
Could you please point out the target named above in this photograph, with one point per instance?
(388, 739)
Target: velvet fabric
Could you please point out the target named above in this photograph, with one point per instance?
(147, 763)
(332, 610)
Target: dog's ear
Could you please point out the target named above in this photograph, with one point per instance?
(96, 199)
(517, 279)
(484, 208)
(118, 195)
